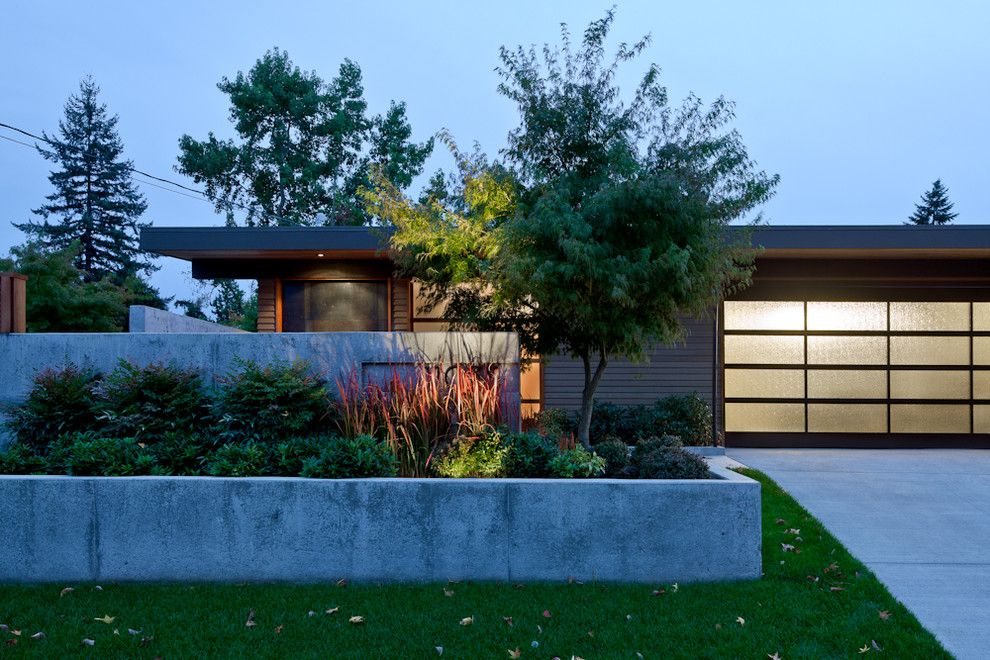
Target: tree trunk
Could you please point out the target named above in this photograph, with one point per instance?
(591, 380)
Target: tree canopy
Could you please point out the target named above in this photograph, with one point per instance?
(304, 146)
(935, 207)
(604, 224)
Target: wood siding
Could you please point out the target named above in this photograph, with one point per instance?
(682, 369)
(266, 306)
(401, 292)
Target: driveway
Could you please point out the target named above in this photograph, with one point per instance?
(919, 518)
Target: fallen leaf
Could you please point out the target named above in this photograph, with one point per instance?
(4, 627)
(97, 588)
(333, 610)
(279, 628)
(539, 629)
(147, 640)
(356, 620)
(131, 631)
(792, 531)
(250, 620)
(508, 620)
(674, 587)
(38, 635)
(342, 582)
(439, 650)
(518, 586)
(591, 633)
(787, 547)
(884, 614)
(629, 617)
(866, 648)
(535, 644)
(546, 614)
(467, 621)
(775, 656)
(813, 578)
(515, 653)
(67, 590)
(639, 655)
(448, 592)
(89, 642)
(875, 646)
(16, 633)
(658, 592)
(311, 614)
(780, 521)
(453, 581)
(741, 621)
(718, 626)
(106, 618)
(116, 631)
(11, 642)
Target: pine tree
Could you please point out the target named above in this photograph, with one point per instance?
(95, 202)
(935, 207)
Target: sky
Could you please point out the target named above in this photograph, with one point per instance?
(858, 106)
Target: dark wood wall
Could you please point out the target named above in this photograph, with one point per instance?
(681, 369)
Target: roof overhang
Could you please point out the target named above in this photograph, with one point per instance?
(196, 243)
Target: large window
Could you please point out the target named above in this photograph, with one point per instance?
(334, 306)
(857, 367)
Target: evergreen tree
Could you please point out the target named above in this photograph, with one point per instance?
(95, 202)
(228, 302)
(305, 147)
(935, 207)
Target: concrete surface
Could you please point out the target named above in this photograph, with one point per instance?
(148, 319)
(66, 529)
(375, 355)
(919, 518)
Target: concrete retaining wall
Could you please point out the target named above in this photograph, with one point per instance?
(148, 319)
(373, 354)
(68, 529)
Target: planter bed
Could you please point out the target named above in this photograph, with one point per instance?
(291, 529)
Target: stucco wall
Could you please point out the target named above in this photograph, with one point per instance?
(66, 529)
(330, 354)
(149, 319)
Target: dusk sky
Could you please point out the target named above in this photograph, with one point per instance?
(858, 106)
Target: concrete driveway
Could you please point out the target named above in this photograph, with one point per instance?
(919, 518)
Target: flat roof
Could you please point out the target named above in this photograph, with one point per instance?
(193, 243)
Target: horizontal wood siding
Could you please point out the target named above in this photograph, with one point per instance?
(400, 305)
(266, 306)
(682, 369)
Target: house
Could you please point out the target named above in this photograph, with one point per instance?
(862, 336)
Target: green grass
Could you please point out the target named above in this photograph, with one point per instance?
(816, 603)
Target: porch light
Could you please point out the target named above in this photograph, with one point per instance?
(319, 254)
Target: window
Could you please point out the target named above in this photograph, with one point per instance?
(334, 306)
(862, 367)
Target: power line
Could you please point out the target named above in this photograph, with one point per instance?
(29, 146)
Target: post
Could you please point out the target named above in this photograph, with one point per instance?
(13, 302)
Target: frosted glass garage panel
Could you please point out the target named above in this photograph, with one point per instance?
(981, 419)
(847, 350)
(981, 384)
(847, 418)
(981, 351)
(911, 384)
(764, 417)
(850, 316)
(929, 418)
(981, 316)
(763, 315)
(847, 384)
(755, 349)
(929, 350)
(764, 383)
(931, 316)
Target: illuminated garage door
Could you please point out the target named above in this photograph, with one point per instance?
(856, 367)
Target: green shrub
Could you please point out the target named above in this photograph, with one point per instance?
(62, 401)
(89, 454)
(21, 459)
(530, 455)
(577, 463)
(347, 458)
(251, 459)
(180, 454)
(270, 404)
(148, 402)
(554, 422)
(647, 446)
(672, 463)
(688, 416)
(484, 456)
(291, 454)
(616, 455)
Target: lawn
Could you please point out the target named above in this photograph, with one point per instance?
(815, 601)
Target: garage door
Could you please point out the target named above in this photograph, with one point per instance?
(869, 368)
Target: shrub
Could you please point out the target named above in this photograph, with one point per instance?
(687, 416)
(21, 459)
(291, 454)
(180, 454)
(647, 446)
(270, 404)
(530, 454)
(483, 456)
(554, 422)
(346, 458)
(616, 455)
(88, 454)
(148, 402)
(672, 463)
(577, 463)
(61, 401)
(251, 459)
